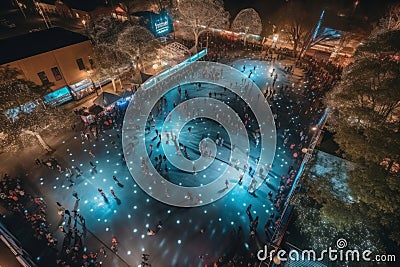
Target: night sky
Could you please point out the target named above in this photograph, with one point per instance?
(373, 9)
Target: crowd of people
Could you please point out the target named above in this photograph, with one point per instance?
(294, 132)
(294, 125)
(293, 128)
(33, 209)
(24, 205)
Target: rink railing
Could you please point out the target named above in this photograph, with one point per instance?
(284, 218)
(174, 69)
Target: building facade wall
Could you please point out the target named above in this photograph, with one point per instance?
(65, 59)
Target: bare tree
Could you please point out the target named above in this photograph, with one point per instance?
(309, 40)
(106, 30)
(109, 62)
(139, 44)
(301, 29)
(247, 21)
(198, 16)
(391, 22)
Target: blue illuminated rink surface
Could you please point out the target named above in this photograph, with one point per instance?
(180, 241)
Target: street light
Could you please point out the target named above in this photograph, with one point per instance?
(274, 40)
(43, 14)
(89, 73)
(21, 7)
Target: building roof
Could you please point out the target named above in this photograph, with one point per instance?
(346, 23)
(87, 6)
(35, 43)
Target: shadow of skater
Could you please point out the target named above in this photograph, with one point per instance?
(106, 199)
(93, 170)
(117, 182)
(118, 201)
(222, 190)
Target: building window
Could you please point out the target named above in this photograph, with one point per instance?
(56, 73)
(43, 77)
(91, 63)
(81, 66)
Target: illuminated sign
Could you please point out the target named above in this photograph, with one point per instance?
(161, 24)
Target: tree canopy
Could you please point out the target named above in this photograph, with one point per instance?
(365, 118)
(247, 21)
(105, 30)
(137, 43)
(198, 16)
(23, 113)
(119, 46)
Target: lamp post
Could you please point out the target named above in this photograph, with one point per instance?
(20, 6)
(355, 5)
(42, 13)
(89, 74)
(84, 23)
(274, 40)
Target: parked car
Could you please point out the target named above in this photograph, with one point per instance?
(35, 30)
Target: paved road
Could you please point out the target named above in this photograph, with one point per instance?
(34, 22)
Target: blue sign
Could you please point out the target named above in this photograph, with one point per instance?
(58, 97)
(161, 24)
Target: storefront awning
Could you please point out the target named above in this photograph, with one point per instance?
(58, 97)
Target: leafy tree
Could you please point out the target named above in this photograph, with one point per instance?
(320, 232)
(247, 21)
(198, 16)
(22, 112)
(365, 107)
(326, 212)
